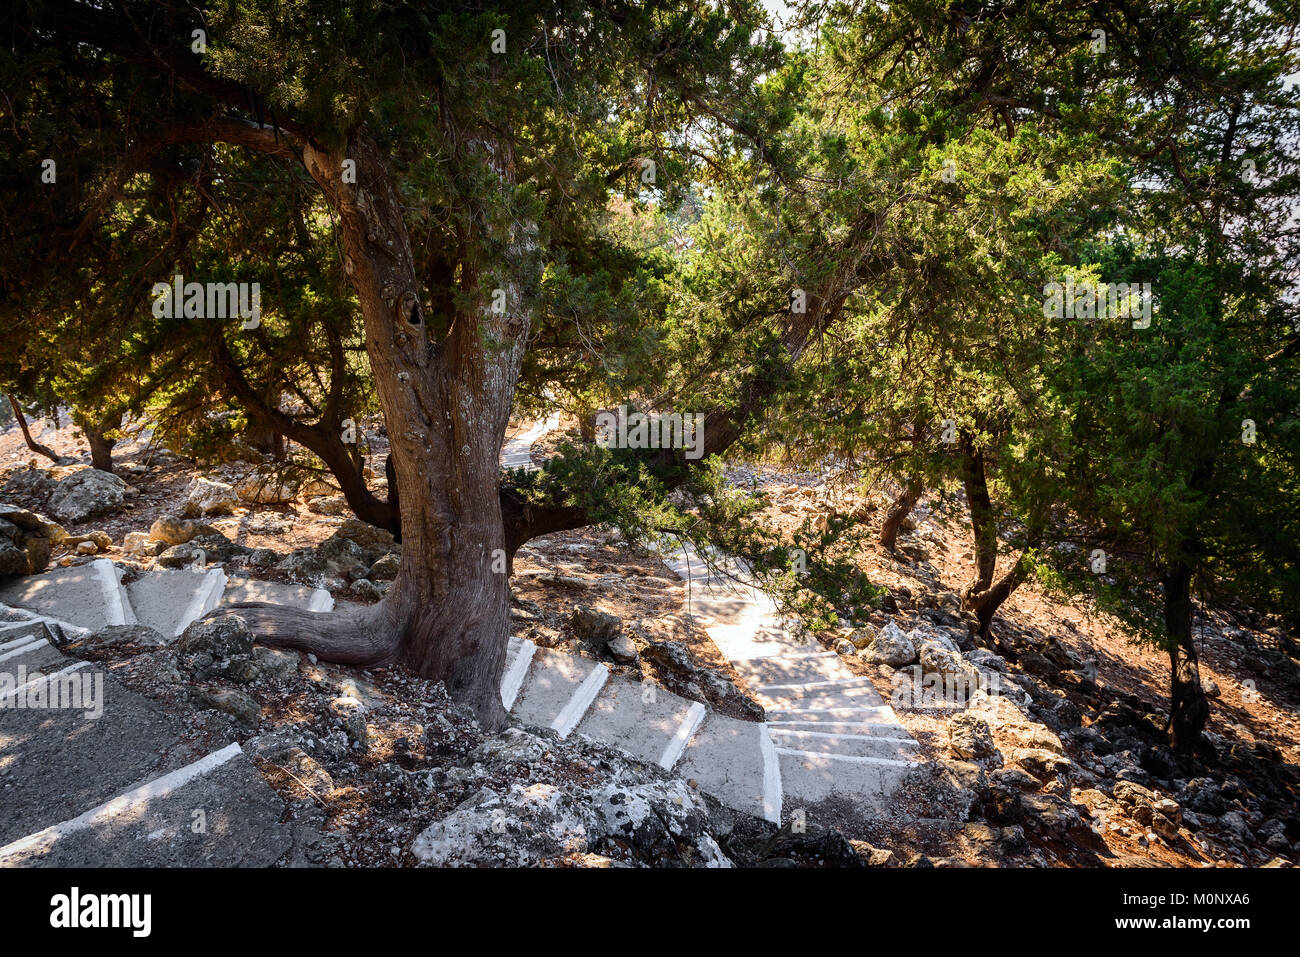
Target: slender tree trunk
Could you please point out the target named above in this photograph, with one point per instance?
(983, 596)
(32, 444)
(95, 430)
(983, 521)
(1189, 709)
(985, 604)
(898, 511)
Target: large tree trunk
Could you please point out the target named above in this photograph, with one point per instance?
(899, 510)
(32, 444)
(446, 389)
(1189, 709)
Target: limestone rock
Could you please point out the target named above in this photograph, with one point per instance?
(264, 490)
(24, 542)
(86, 493)
(206, 497)
(140, 545)
(173, 530)
(206, 549)
(970, 737)
(116, 641)
(1040, 762)
(863, 637)
(242, 707)
(594, 626)
(385, 570)
(891, 647)
(365, 536)
(623, 650)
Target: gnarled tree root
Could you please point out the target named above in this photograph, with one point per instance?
(363, 636)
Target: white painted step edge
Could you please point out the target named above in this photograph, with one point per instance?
(577, 706)
(772, 793)
(865, 709)
(513, 680)
(11, 695)
(24, 645)
(15, 642)
(127, 607)
(204, 600)
(850, 758)
(682, 736)
(137, 799)
(117, 610)
(795, 655)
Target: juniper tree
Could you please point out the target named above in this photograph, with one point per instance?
(457, 148)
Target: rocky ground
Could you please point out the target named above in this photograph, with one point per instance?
(1066, 766)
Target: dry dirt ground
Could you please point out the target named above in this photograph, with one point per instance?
(592, 568)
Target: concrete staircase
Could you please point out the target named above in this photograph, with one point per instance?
(834, 736)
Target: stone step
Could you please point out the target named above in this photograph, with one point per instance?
(169, 600)
(857, 693)
(866, 714)
(88, 596)
(792, 669)
(642, 720)
(724, 608)
(517, 453)
(558, 690)
(847, 681)
(55, 761)
(736, 762)
(217, 811)
(869, 783)
(851, 745)
(757, 638)
(689, 565)
(12, 620)
(277, 593)
(875, 730)
(31, 647)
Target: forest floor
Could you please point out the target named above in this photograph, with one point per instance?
(1255, 718)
